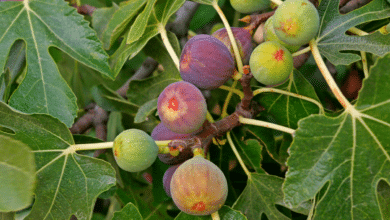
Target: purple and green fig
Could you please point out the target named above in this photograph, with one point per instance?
(167, 179)
(296, 22)
(182, 107)
(243, 38)
(162, 133)
(271, 63)
(198, 187)
(206, 62)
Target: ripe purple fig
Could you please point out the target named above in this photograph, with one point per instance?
(168, 177)
(206, 62)
(182, 107)
(243, 38)
(198, 187)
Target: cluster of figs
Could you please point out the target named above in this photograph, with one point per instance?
(196, 185)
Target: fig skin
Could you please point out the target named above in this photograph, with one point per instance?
(296, 22)
(134, 150)
(182, 107)
(243, 38)
(206, 62)
(198, 187)
(167, 179)
(249, 6)
(162, 133)
(271, 63)
(269, 35)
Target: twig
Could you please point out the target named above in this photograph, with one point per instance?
(255, 20)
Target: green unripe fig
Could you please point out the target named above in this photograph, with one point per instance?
(134, 150)
(249, 6)
(269, 35)
(296, 22)
(271, 63)
(198, 187)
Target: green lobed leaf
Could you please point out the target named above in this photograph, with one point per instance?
(145, 110)
(101, 18)
(41, 25)
(350, 153)
(13, 67)
(225, 213)
(128, 51)
(17, 174)
(119, 21)
(164, 9)
(333, 26)
(206, 2)
(128, 212)
(384, 198)
(139, 25)
(111, 101)
(67, 183)
(288, 110)
(259, 197)
(250, 151)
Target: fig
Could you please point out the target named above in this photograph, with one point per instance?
(167, 179)
(243, 38)
(134, 150)
(296, 22)
(249, 6)
(269, 35)
(198, 187)
(162, 133)
(206, 62)
(271, 63)
(182, 107)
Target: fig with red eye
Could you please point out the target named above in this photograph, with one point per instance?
(199, 187)
(206, 62)
(182, 107)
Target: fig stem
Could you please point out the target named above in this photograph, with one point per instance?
(94, 146)
(168, 45)
(163, 143)
(364, 62)
(227, 100)
(209, 117)
(274, 90)
(215, 216)
(364, 57)
(236, 91)
(265, 124)
(231, 36)
(300, 52)
(234, 149)
(163, 149)
(277, 2)
(328, 77)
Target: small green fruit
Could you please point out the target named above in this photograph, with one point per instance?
(249, 6)
(134, 150)
(271, 63)
(269, 35)
(296, 22)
